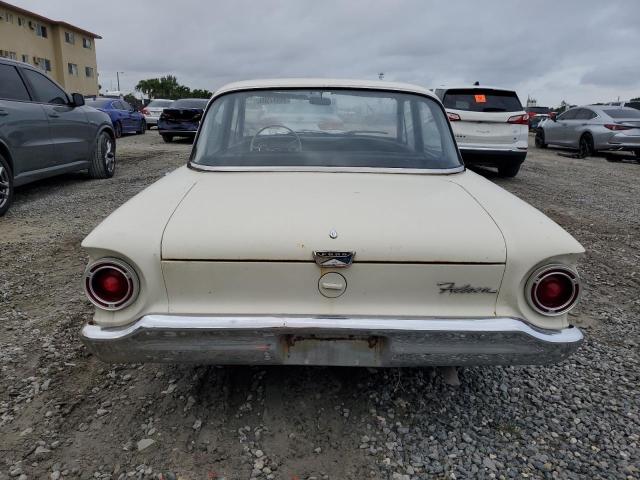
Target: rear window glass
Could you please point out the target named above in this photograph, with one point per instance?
(623, 113)
(160, 103)
(544, 110)
(482, 100)
(345, 128)
(190, 103)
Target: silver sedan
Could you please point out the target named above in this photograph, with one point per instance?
(593, 128)
(152, 111)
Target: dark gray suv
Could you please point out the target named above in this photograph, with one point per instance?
(45, 132)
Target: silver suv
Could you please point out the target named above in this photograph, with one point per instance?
(46, 132)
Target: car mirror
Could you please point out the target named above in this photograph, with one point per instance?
(77, 99)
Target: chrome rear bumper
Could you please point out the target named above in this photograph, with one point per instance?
(354, 341)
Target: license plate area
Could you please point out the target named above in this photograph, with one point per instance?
(351, 350)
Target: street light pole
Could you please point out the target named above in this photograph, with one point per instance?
(118, 78)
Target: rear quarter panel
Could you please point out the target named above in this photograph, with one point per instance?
(133, 233)
(532, 240)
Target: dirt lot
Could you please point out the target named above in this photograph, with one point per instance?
(64, 414)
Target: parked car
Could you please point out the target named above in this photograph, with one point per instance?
(593, 129)
(534, 122)
(367, 247)
(533, 111)
(181, 118)
(536, 114)
(490, 126)
(124, 117)
(45, 132)
(152, 111)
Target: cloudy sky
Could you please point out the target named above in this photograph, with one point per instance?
(581, 51)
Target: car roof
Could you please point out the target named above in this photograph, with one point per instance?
(17, 63)
(322, 83)
(474, 87)
(605, 108)
(610, 107)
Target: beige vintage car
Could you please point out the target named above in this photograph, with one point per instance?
(363, 242)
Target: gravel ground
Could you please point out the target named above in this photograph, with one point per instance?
(64, 414)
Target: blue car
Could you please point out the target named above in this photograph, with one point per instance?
(124, 117)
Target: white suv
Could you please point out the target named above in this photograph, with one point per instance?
(489, 124)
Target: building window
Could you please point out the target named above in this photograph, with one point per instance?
(41, 30)
(8, 17)
(86, 42)
(69, 37)
(21, 21)
(88, 71)
(73, 69)
(8, 54)
(42, 63)
(25, 58)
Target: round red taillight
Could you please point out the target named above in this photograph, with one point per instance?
(553, 290)
(111, 284)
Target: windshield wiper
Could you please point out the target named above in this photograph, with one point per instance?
(356, 132)
(319, 132)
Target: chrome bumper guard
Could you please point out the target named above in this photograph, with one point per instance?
(339, 341)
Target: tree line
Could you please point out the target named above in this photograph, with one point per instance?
(169, 88)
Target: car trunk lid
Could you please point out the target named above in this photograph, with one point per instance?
(286, 216)
(490, 128)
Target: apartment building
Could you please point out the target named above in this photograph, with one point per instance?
(65, 52)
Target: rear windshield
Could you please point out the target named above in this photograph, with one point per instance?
(345, 128)
(160, 103)
(623, 113)
(189, 103)
(539, 110)
(482, 100)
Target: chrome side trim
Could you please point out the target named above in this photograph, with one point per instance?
(402, 341)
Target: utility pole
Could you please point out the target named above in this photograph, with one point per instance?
(118, 77)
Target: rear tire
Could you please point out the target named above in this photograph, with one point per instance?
(6, 186)
(143, 128)
(117, 128)
(509, 171)
(585, 147)
(540, 141)
(103, 160)
(167, 138)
